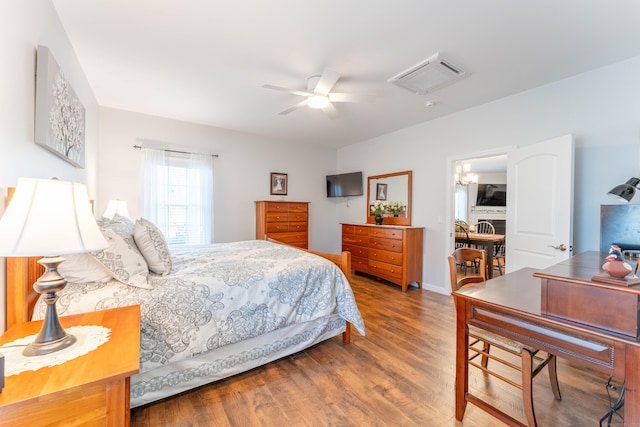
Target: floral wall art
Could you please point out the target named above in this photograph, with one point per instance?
(59, 123)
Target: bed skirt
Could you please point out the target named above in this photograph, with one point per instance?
(232, 359)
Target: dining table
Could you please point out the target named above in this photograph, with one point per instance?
(489, 243)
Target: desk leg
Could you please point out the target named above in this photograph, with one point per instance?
(632, 386)
(462, 358)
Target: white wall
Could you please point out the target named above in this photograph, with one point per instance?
(241, 173)
(601, 108)
(23, 26)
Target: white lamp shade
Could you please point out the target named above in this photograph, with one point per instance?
(49, 218)
(116, 207)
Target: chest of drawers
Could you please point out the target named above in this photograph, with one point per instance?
(287, 222)
(393, 253)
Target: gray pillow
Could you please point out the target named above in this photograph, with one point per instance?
(153, 246)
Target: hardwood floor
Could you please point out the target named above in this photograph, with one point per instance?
(400, 374)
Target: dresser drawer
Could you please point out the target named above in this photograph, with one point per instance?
(360, 264)
(277, 217)
(390, 272)
(356, 251)
(389, 233)
(298, 216)
(394, 258)
(299, 208)
(348, 229)
(279, 227)
(391, 245)
(277, 207)
(291, 238)
(362, 231)
(351, 239)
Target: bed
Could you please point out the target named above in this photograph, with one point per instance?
(221, 310)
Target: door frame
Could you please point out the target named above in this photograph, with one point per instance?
(451, 185)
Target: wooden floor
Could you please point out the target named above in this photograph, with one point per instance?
(400, 374)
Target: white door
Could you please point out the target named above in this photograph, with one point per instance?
(539, 204)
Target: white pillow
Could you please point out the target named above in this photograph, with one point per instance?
(82, 268)
(123, 259)
(153, 246)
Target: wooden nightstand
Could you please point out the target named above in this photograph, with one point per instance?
(89, 390)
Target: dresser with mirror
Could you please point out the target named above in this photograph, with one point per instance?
(392, 250)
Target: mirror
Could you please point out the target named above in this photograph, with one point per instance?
(391, 187)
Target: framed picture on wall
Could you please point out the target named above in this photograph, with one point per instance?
(279, 184)
(60, 116)
(381, 191)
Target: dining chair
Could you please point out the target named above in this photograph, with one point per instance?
(462, 241)
(484, 227)
(480, 341)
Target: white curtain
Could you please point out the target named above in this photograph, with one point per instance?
(154, 178)
(178, 195)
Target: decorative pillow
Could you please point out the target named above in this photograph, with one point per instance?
(82, 268)
(122, 258)
(153, 246)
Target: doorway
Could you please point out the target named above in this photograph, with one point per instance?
(480, 198)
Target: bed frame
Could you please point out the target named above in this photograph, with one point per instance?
(22, 273)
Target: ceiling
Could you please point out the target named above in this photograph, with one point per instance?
(205, 61)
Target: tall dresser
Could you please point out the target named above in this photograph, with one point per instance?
(393, 253)
(287, 222)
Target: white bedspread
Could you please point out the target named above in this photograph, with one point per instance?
(221, 294)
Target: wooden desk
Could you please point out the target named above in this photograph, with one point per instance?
(89, 390)
(487, 241)
(510, 306)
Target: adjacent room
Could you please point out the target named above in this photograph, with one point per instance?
(319, 213)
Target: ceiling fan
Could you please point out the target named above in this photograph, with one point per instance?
(318, 94)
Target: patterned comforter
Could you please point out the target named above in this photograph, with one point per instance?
(221, 294)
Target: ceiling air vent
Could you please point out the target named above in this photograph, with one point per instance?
(427, 76)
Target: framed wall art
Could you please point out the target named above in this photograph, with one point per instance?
(59, 121)
(279, 184)
(381, 192)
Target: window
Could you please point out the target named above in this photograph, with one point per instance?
(178, 195)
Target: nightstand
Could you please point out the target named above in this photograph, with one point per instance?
(89, 390)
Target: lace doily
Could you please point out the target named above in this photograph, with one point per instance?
(88, 339)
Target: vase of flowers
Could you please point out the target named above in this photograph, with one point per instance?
(395, 208)
(378, 207)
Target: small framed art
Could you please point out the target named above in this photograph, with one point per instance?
(279, 184)
(381, 192)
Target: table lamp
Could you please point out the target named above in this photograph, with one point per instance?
(116, 207)
(625, 191)
(49, 218)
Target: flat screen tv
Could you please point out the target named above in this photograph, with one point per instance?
(492, 195)
(344, 185)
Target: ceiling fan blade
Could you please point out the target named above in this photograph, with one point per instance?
(284, 89)
(326, 82)
(295, 107)
(331, 111)
(351, 97)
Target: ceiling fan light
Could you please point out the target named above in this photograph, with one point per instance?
(318, 101)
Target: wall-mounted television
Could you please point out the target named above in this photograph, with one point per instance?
(344, 184)
(492, 195)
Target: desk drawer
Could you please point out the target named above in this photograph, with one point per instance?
(587, 349)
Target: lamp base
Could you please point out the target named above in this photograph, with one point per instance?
(52, 336)
(40, 349)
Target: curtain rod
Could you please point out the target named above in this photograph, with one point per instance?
(139, 147)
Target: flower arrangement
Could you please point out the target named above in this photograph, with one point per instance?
(378, 207)
(395, 207)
